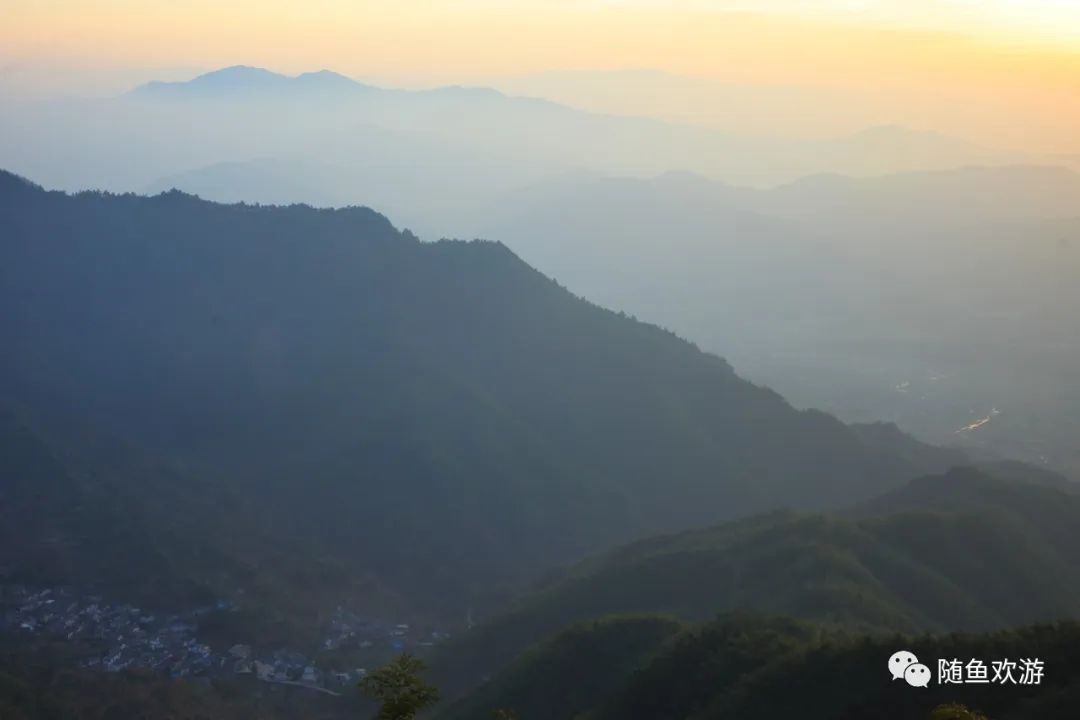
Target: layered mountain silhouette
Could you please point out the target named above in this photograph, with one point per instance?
(974, 549)
(416, 419)
(246, 81)
(399, 137)
(749, 666)
(927, 299)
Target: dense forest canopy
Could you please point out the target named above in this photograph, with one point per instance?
(746, 666)
(974, 549)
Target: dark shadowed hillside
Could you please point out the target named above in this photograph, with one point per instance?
(567, 674)
(848, 680)
(965, 550)
(594, 661)
(744, 666)
(99, 518)
(438, 418)
(734, 669)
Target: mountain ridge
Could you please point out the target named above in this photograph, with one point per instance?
(364, 385)
(764, 667)
(966, 550)
(246, 80)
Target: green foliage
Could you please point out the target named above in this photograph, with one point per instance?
(966, 550)
(561, 678)
(704, 661)
(399, 689)
(755, 668)
(846, 680)
(952, 711)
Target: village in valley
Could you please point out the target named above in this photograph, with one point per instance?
(119, 637)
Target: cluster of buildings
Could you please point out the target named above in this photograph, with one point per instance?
(117, 637)
(346, 629)
(114, 637)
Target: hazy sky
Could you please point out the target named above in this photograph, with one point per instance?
(1008, 69)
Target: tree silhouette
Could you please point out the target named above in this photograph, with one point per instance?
(398, 689)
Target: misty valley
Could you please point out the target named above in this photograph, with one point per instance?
(323, 399)
(929, 287)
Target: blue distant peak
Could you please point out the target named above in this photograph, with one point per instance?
(240, 78)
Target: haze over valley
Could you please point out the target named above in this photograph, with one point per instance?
(539, 361)
(889, 274)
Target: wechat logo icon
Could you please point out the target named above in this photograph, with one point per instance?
(903, 665)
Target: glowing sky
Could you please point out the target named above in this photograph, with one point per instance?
(404, 37)
(977, 57)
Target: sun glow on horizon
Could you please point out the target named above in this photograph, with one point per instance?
(130, 29)
(1007, 69)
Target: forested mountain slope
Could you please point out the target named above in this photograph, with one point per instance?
(436, 417)
(747, 666)
(969, 550)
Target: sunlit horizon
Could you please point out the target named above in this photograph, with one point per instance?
(999, 72)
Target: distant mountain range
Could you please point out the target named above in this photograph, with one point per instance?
(927, 299)
(245, 80)
(875, 296)
(241, 82)
(416, 417)
(238, 114)
(767, 108)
